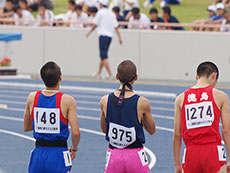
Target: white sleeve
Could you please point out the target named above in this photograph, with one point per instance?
(15, 16)
(115, 22)
(97, 18)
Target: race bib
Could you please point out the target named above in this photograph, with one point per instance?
(67, 158)
(143, 157)
(199, 115)
(221, 153)
(47, 120)
(108, 154)
(120, 136)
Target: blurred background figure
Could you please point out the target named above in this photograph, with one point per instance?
(119, 17)
(23, 15)
(79, 16)
(139, 17)
(163, 3)
(44, 14)
(154, 17)
(34, 4)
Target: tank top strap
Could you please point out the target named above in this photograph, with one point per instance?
(35, 103)
(58, 105)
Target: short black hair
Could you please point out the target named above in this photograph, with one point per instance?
(72, 2)
(92, 9)
(153, 10)
(126, 71)
(116, 9)
(43, 4)
(78, 7)
(17, 7)
(50, 74)
(206, 69)
(167, 10)
(24, 1)
(10, 1)
(135, 10)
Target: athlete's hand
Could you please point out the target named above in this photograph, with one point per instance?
(228, 168)
(178, 169)
(73, 154)
(120, 41)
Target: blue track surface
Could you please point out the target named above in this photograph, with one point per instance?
(15, 151)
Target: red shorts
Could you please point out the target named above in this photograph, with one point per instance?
(126, 161)
(204, 158)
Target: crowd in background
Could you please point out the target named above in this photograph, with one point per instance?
(81, 12)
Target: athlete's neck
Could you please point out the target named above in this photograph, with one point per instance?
(201, 83)
(126, 88)
(52, 89)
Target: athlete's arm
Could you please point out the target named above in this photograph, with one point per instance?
(177, 135)
(27, 124)
(103, 104)
(147, 119)
(225, 122)
(72, 117)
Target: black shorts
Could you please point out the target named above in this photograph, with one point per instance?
(104, 43)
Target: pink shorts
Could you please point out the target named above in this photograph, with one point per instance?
(126, 161)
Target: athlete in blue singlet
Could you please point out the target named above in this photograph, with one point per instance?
(48, 113)
(123, 117)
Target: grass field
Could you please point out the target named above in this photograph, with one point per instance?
(188, 11)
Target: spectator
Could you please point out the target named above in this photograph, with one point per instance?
(23, 4)
(226, 22)
(129, 5)
(119, 17)
(71, 11)
(211, 17)
(33, 6)
(59, 20)
(92, 11)
(8, 10)
(23, 15)
(155, 18)
(44, 14)
(141, 19)
(88, 4)
(168, 18)
(79, 16)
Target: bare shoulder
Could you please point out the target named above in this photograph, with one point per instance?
(104, 100)
(31, 96)
(219, 95)
(179, 100)
(143, 102)
(68, 99)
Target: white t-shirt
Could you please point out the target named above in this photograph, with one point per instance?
(48, 16)
(25, 15)
(143, 19)
(224, 23)
(82, 18)
(91, 3)
(106, 22)
(128, 7)
(69, 15)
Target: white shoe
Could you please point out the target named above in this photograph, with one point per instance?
(147, 4)
(97, 76)
(109, 78)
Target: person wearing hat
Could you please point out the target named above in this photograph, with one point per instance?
(211, 17)
(105, 21)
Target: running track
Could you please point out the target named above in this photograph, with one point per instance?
(16, 145)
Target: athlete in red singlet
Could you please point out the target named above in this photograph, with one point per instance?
(197, 116)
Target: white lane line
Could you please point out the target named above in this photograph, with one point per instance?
(91, 89)
(151, 154)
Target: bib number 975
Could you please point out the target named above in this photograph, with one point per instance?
(199, 115)
(120, 136)
(47, 120)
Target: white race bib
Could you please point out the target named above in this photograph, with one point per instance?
(221, 153)
(143, 157)
(199, 115)
(47, 120)
(120, 136)
(67, 158)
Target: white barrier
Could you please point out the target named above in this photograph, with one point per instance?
(162, 55)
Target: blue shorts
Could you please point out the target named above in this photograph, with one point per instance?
(104, 43)
(50, 160)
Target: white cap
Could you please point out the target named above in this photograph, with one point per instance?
(220, 6)
(212, 8)
(104, 2)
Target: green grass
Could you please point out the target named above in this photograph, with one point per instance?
(188, 11)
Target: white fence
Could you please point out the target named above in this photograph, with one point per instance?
(161, 55)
